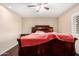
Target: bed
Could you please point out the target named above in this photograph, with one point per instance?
(46, 46)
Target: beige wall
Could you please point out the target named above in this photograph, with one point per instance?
(28, 23)
(10, 28)
(65, 23)
(65, 20)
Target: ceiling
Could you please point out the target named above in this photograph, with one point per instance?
(56, 9)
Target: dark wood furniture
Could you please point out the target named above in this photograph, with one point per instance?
(51, 48)
(23, 35)
(45, 28)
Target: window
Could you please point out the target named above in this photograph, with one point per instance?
(75, 24)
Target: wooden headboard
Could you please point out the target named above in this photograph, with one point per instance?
(45, 28)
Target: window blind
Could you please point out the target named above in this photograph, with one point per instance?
(75, 25)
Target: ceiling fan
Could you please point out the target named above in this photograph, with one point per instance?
(39, 6)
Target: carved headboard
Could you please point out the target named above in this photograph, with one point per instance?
(45, 28)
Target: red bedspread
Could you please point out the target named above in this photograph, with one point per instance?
(35, 39)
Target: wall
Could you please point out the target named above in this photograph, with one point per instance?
(65, 23)
(10, 28)
(28, 23)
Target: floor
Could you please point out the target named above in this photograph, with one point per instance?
(11, 52)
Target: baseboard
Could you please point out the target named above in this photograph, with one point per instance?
(8, 48)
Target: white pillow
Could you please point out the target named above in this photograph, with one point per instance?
(39, 32)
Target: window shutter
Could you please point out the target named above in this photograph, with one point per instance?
(75, 27)
(77, 24)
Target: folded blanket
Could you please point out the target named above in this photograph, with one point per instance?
(35, 39)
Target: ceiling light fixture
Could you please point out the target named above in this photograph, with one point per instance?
(39, 6)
